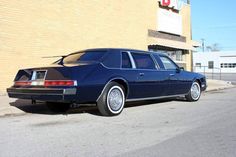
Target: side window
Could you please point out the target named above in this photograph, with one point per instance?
(126, 63)
(112, 59)
(143, 61)
(168, 64)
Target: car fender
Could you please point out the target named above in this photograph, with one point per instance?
(113, 79)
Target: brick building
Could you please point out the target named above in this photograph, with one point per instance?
(31, 30)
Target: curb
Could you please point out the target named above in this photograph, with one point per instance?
(217, 89)
(12, 115)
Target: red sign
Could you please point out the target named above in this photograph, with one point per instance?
(175, 4)
(165, 3)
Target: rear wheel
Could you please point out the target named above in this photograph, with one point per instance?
(112, 100)
(194, 93)
(58, 107)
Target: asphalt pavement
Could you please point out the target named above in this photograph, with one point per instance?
(206, 128)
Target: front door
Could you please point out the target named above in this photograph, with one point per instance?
(176, 81)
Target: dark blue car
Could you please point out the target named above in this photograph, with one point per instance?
(107, 77)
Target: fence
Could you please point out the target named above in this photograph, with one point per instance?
(210, 73)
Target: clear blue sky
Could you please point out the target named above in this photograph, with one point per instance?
(215, 21)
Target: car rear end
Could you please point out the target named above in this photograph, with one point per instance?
(46, 84)
(59, 82)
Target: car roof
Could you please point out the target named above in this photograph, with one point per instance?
(120, 49)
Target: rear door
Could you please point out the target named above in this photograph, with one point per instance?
(150, 82)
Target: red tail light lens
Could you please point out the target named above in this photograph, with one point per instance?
(60, 83)
(46, 83)
(22, 83)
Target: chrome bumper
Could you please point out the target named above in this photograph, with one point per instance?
(47, 94)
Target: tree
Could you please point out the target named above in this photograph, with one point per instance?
(213, 47)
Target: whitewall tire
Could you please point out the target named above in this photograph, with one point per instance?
(112, 100)
(194, 93)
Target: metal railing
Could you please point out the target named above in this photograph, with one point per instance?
(210, 73)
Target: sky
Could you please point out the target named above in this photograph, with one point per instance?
(215, 22)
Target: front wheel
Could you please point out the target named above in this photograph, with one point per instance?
(194, 93)
(112, 100)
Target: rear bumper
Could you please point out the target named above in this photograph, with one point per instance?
(44, 94)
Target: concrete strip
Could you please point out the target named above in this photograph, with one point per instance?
(214, 85)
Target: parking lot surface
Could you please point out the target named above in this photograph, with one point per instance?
(176, 128)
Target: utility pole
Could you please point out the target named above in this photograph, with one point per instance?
(203, 45)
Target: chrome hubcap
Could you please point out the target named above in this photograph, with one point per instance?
(115, 99)
(195, 91)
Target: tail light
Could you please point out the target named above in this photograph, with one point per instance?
(22, 83)
(46, 83)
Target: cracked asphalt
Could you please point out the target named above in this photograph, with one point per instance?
(206, 128)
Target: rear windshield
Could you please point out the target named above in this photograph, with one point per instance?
(88, 56)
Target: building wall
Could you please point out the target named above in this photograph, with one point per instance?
(187, 32)
(33, 29)
(218, 58)
(185, 13)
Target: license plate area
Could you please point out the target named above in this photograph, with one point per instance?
(38, 77)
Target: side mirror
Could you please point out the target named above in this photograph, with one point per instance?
(178, 70)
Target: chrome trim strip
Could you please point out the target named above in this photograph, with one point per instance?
(153, 98)
(156, 63)
(133, 69)
(132, 60)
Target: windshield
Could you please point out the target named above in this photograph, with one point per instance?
(88, 56)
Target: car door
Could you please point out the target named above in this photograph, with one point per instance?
(149, 80)
(177, 81)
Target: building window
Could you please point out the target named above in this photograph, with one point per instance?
(179, 55)
(198, 65)
(228, 65)
(176, 55)
(210, 64)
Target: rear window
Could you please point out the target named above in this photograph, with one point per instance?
(88, 56)
(143, 61)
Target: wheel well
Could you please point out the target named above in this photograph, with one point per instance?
(199, 82)
(124, 84)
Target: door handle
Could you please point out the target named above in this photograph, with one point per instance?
(141, 74)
